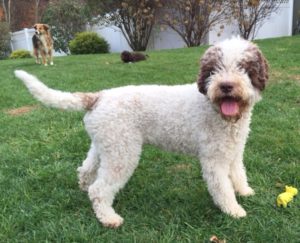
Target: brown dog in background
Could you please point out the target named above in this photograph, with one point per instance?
(127, 56)
(42, 44)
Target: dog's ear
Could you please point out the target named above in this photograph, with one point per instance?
(46, 27)
(209, 64)
(35, 26)
(256, 67)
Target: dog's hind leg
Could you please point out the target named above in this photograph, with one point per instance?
(116, 167)
(88, 171)
(216, 174)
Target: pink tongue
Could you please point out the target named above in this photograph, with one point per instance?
(229, 108)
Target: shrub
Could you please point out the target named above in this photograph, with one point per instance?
(88, 43)
(4, 40)
(20, 54)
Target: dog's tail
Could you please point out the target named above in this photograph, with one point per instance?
(56, 98)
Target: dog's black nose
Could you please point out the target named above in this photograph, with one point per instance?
(226, 87)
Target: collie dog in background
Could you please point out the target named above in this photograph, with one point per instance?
(42, 44)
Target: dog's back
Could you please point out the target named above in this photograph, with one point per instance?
(127, 56)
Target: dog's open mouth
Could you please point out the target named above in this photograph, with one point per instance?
(229, 107)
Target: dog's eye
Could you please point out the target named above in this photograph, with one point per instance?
(210, 73)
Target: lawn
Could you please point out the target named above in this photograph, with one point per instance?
(166, 200)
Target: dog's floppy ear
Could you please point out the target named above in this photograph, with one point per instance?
(35, 26)
(256, 66)
(46, 27)
(209, 64)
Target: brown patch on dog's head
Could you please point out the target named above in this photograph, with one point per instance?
(210, 62)
(127, 56)
(256, 66)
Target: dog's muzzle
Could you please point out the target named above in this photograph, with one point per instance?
(229, 106)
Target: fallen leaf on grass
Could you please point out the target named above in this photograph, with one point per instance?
(21, 110)
(214, 239)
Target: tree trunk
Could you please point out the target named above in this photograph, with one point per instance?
(8, 12)
(37, 3)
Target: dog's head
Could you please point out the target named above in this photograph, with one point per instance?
(41, 29)
(126, 56)
(232, 75)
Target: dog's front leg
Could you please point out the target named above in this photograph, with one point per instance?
(50, 56)
(216, 174)
(36, 54)
(238, 176)
(44, 58)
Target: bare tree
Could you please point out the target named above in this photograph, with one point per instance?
(252, 14)
(135, 18)
(37, 4)
(6, 4)
(192, 19)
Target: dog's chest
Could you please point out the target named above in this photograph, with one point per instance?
(46, 45)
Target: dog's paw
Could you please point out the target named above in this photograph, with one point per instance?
(246, 192)
(84, 181)
(238, 212)
(112, 221)
(83, 186)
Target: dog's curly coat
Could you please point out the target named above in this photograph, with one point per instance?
(128, 57)
(212, 124)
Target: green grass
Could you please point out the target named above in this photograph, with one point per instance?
(166, 200)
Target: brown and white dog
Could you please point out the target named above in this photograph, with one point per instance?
(209, 119)
(42, 44)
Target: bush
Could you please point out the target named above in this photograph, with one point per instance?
(20, 54)
(4, 40)
(88, 43)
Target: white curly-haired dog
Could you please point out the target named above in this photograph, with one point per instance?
(212, 124)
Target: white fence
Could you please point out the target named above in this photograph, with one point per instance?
(279, 24)
(22, 39)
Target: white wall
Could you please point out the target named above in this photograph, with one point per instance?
(279, 24)
(159, 39)
(165, 38)
(22, 39)
(113, 35)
